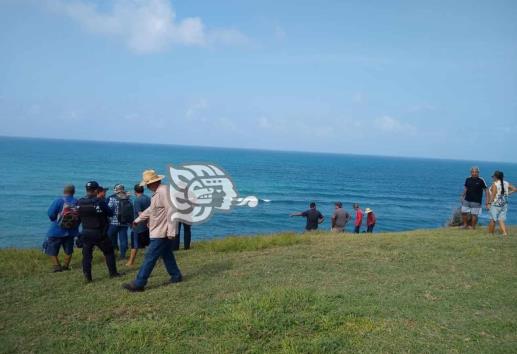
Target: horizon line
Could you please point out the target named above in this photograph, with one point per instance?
(254, 149)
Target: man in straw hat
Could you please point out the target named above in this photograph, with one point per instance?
(161, 233)
(370, 220)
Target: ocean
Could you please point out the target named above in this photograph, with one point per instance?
(405, 193)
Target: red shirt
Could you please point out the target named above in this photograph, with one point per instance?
(370, 219)
(358, 217)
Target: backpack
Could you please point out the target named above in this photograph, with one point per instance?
(125, 211)
(92, 216)
(68, 218)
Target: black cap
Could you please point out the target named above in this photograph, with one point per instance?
(92, 185)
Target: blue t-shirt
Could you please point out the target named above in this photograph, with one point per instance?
(141, 203)
(53, 211)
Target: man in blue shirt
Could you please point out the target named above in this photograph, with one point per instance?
(63, 229)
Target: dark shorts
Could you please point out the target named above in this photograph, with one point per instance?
(55, 243)
(139, 240)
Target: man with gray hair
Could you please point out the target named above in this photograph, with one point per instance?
(472, 197)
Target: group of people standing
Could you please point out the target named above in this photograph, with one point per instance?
(496, 200)
(339, 219)
(104, 224)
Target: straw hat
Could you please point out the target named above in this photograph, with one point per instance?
(150, 176)
(368, 210)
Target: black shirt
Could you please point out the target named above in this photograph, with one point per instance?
(312, 216)
(475, 187)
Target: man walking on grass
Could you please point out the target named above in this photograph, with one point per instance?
(94, 215)
(472, 197)
(63, 229)
(161, 231)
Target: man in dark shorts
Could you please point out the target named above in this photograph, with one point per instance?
(140, 232)
(472, 197)
(314, 217)
(60, 235)
(340, 218)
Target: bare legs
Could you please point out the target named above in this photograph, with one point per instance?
(491, 227)
(502, 227)
(464, 217)
(474, 221)
(469, 222)
(132, 257)
(66, 261)
(57, 265)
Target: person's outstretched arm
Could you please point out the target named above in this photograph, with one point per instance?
(511, 189)
(296, 214)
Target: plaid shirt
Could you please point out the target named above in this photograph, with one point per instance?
(113, 205)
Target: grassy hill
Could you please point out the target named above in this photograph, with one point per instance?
(438, 290)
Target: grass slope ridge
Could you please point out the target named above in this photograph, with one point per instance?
(438, 290)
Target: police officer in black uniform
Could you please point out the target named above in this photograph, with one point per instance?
(94, 215)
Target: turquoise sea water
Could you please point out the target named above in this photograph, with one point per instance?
(404, 193)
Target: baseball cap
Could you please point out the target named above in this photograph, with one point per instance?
(119, 187)
(92, 185)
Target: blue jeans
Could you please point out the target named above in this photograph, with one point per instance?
(158, 247)
(121, 232)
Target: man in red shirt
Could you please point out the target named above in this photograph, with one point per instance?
(358, 218)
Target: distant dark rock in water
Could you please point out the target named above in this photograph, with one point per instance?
(456, 220)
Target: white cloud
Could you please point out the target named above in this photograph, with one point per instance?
(389, 124)
(227, 37)
(145, 26)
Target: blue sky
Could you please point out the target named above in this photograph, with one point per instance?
(403, 78)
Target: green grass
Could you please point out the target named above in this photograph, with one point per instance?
(443, 290)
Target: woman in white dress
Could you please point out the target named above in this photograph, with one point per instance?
(498, 202)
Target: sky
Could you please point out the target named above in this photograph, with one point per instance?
(431, 79)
